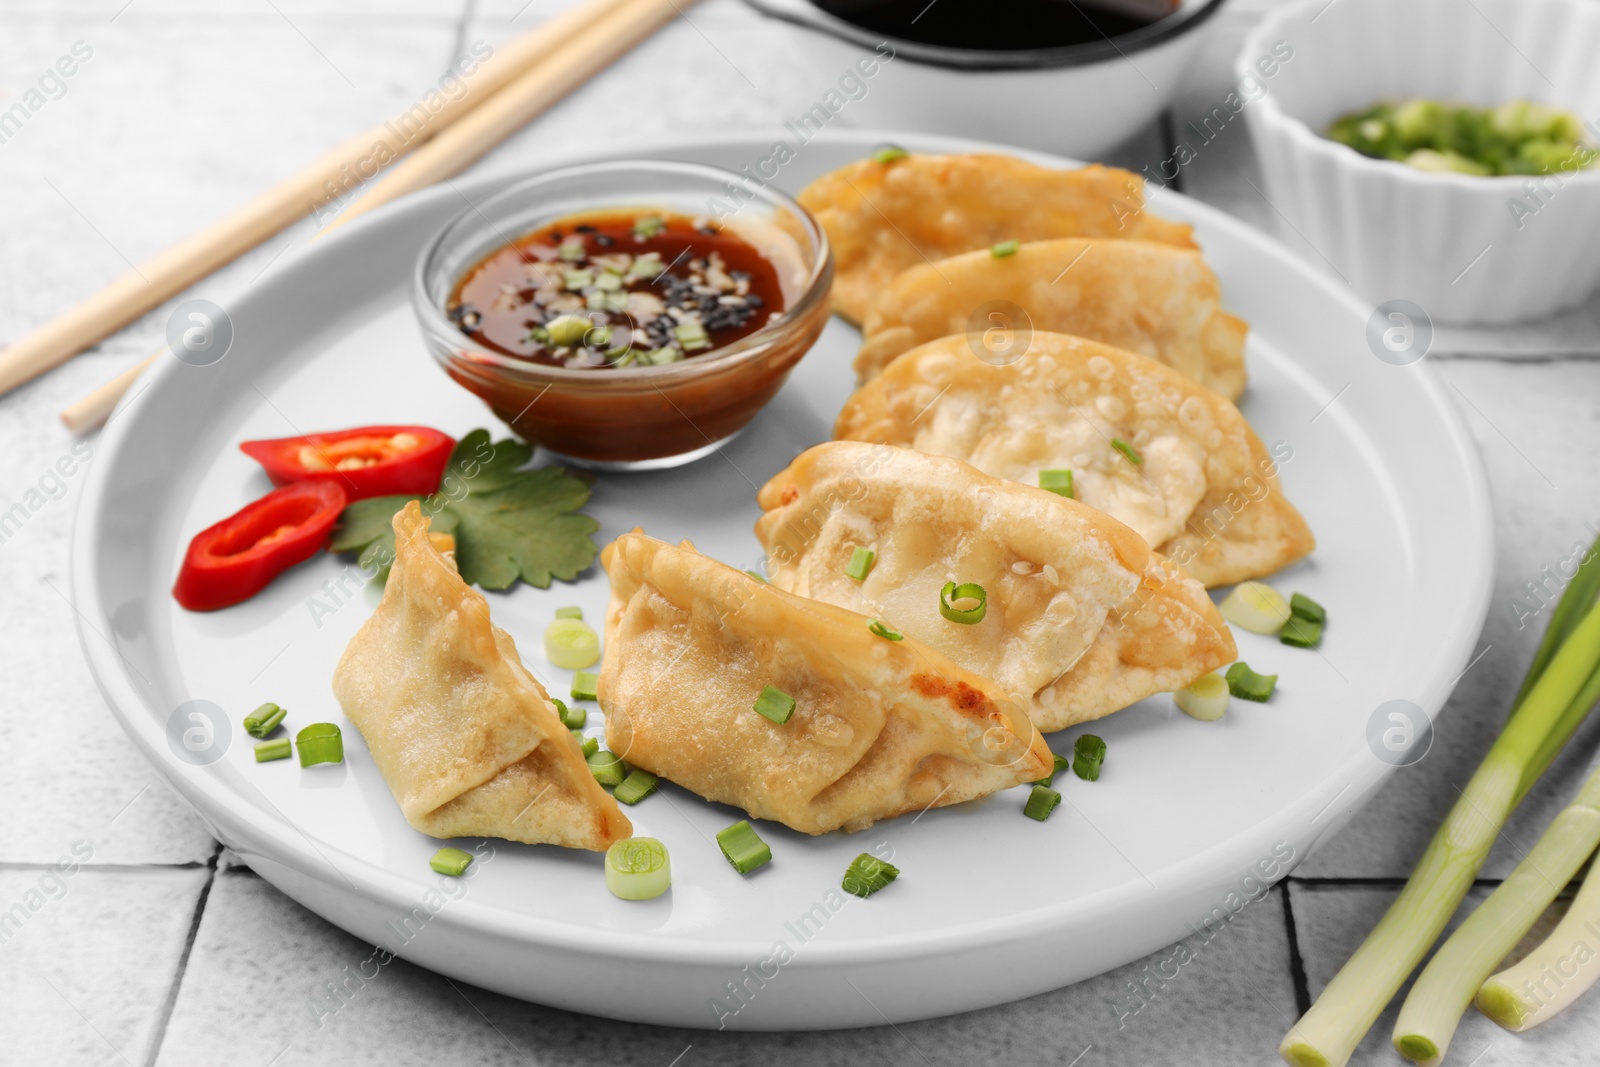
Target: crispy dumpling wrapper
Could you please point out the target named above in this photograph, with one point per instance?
(879, 727)
(882, 218)
(1205, 490)
(1154, 299)
(466, 738)
(1082, 617)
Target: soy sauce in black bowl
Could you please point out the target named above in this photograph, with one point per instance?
(990, 25)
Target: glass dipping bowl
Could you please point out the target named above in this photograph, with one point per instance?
(633, 418)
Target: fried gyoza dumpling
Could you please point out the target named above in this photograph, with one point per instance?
(1146, 445)
(467, 739)
(1153, 299)
(1082, 617)
(884, 217)
(878, 727)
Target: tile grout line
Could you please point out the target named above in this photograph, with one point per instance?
(1515, 360)
(159, 1037)
(469, 11)
(114, 868)
(1297, 964)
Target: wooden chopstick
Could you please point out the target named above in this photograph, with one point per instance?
(191, 259)
(582, 53)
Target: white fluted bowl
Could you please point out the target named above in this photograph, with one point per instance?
(1463, 248)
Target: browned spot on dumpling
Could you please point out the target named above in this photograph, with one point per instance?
(961, 696)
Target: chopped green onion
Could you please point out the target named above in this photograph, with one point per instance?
(1005, 248)
(1205, 698)
(645, 266)
(1307, 609)
(263, 720)
(577, 279)
(567, 331)
(1042, 800)
(268, 751)
(1255, 606)
(1301, 633)
(1127, 450)
(867, 874)
(1057, 481)
(1061, 764)
(758, 576)
(966, 591)
(743, 847)
(1246, 684)
(1088, 753)
(569, 613)
(884, 632)
(607, 768)
(636, 786)
(570, 251)
(451, 861)
(572, 718)
(571, 644)
(692, 336)
(775, 704)
(860, 565)
(649, 226)
(320, 742)
(889, 153)
(608, 282)
(583, 685)
(638, 868)
(589, 745)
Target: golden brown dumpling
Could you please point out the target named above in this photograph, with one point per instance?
(882, 218)
(1194, 479)
(466, 738)
(879, 727)
(1082, 617)
(1154, 299)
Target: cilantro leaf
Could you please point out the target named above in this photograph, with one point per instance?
(366, 521)
(508, 523)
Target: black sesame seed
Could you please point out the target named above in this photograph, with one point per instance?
(585, 228)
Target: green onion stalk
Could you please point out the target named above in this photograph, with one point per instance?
(1556, 697)
(1433, 1008)
(1519, 997)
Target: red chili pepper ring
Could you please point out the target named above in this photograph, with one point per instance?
(239, 556)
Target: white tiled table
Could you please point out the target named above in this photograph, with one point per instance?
(160, 951)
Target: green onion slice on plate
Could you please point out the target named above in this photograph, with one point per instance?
(1042, 800)
(267, 751)
(636, 786)
(607, 768)
(638, 868)
(867, 874)
(571, 644)
(451, 861)
(1088, 753)
(743, 847)
(263, 720)
(320, 742)
(584, 685)
(1246, 684)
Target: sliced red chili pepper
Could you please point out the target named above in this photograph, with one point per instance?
(239, 556)
(366, 461)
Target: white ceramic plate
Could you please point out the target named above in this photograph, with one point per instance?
(1187, 819)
